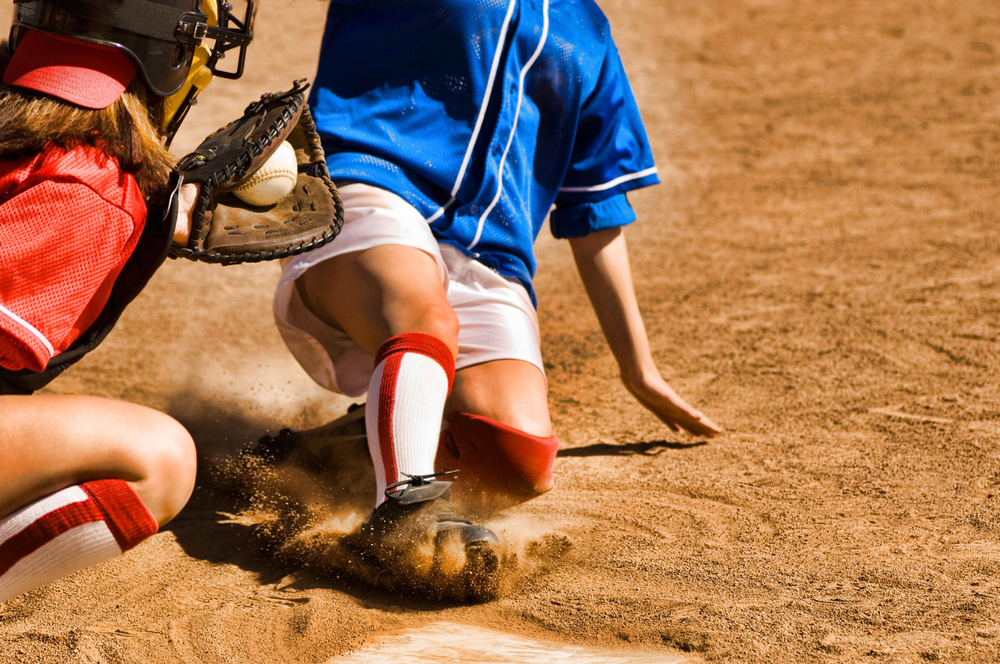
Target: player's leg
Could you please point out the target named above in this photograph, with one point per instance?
(378, 293)
(83, 480)
(513, 392)
(498, 435)
(369, 313)
(390, 300)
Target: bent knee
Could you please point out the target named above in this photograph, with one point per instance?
(169, 466)
(511, 392)
(438, 320)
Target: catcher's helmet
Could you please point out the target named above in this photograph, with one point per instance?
(162, 40)
(159, 36)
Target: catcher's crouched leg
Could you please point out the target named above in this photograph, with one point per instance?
(499, 466)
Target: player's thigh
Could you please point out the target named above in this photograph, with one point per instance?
(380, 292)
(513, 392)
(49, 442)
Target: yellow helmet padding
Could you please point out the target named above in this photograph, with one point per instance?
(200, 75)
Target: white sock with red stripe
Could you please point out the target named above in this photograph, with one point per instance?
(412, 379)
(67, 531)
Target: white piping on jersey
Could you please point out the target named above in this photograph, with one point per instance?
(613, 183)
(30, 328)
(482, 111)
(513, 129)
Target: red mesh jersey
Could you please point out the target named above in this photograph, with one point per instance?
(68, 223)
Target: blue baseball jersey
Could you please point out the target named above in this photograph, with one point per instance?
(486, 116)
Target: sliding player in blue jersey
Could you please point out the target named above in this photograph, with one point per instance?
(453, 128)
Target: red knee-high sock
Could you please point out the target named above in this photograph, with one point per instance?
(412, 379)
(67, 531)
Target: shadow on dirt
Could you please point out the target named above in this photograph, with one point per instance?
(650, 448)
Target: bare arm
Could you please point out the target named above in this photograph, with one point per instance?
(602, 259)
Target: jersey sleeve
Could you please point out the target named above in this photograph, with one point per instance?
(611, 155)
(570, 221)
(61, 247)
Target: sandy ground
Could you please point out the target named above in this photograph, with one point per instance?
(820, 273)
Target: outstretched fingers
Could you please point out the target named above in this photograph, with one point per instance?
(660, 399)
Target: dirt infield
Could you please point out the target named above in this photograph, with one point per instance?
(820, 272)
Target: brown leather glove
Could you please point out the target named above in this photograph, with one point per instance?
(226, 230)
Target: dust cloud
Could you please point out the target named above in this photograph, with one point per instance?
(306, 499)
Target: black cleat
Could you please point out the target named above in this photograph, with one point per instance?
(418, 529)
(275, 449)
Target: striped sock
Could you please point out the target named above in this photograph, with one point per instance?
(67, 531)
(412, 379)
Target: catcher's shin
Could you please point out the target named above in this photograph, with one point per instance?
(225, 229)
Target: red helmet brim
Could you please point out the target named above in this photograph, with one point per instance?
(88, 75)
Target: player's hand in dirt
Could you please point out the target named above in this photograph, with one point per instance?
(603, 263)
(656, 395)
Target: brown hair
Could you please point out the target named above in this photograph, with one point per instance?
(128, 130)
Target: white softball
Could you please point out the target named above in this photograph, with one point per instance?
(274, 180)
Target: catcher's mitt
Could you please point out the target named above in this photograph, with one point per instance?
(225, 229)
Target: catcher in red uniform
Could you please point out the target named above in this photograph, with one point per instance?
(90, 202)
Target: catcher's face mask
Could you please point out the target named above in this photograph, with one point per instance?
(204, 61)
(164, 39)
